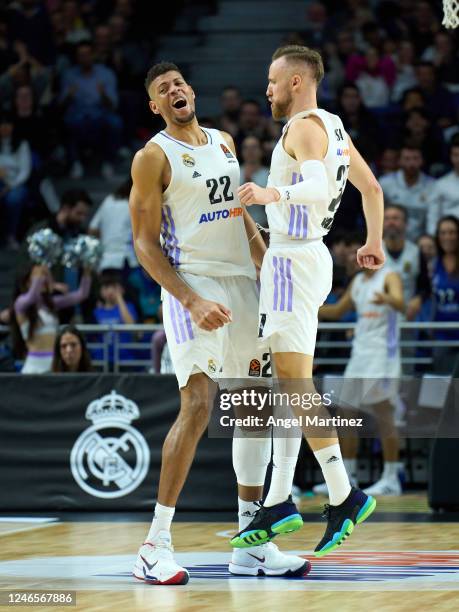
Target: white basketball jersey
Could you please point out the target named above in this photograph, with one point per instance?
(377, 330)
(202, 227)
(296, 220)
(407, 266)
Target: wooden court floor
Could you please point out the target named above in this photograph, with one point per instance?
(384, 566)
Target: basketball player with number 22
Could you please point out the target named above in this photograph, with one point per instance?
(192, 235)
(309, 169)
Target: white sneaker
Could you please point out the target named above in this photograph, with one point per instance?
(385, 486)
(77, 170)
(267, 560)
(107, 171)
(321, 489)
(155, 563)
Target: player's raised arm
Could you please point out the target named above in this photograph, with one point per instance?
(306, 141)
(371, 254)
(145, 209)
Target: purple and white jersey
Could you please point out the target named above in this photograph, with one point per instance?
(202, 228)
(296, 220)
(377, 330)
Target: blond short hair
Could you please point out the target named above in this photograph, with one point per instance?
(298, 53)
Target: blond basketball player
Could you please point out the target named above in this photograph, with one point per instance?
(309, 169)
(190, 234)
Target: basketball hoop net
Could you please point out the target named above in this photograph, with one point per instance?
(451, 13)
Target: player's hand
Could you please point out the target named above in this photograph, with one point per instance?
(210, 315)
(249, 193)
(371, 256)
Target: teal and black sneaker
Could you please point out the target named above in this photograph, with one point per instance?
(342, 519)
(268, 523)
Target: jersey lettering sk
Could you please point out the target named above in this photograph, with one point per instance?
(296, 220)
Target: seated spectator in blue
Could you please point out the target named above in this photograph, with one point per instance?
(148, 294)
(439, 101)
(112, 309)
(445, 291)
(70, 351)
(15, 169)
(89, 97)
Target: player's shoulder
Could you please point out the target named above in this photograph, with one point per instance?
(150, 158)
(151, 152)
(228, 139)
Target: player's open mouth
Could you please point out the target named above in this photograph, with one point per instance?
(179, 103)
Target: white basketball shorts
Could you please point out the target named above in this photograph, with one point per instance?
(295, 281)
(233, 351)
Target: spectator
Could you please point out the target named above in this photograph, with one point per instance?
(389, 161)
(412, 98)
(112, 309)
(358, 122)
(373, 75)
(420, 132)
(253, 170)
(251, 122)
(428, 249)
(89, 97)
(15, 170)
(317, 31)
(424, 26)
(29, 23)
(406, 76)
(439, 101)
(445, 193)
(410, 188)
(75, 28)
(112, 224)
(443, 56)
(148, 294)
(405, 258)
(230, 102)
(34, 319)
(70, 351)
(445, 291)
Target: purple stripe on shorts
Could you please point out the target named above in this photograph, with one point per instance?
(289, 284)
(305, 221)
(179, 311)
(276, 281)
(292, 220)
(298, 220)
(188, 323)
(174, 318)
(282, 287)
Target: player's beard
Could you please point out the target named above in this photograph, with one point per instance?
(184, 120)
(280, 108)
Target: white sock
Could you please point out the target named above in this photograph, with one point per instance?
(334, 472)
(246, 512)
(390, 470)
(285, 457)
(351, 467)
(162, 520)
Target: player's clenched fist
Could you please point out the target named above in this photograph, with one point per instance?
(249, 193)
(371, 257)
(209, 315)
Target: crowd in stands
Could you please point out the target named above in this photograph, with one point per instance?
(72, 99)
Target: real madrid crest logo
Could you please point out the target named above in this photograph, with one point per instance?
(105, 462)
(188, 160)
(211, 366)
